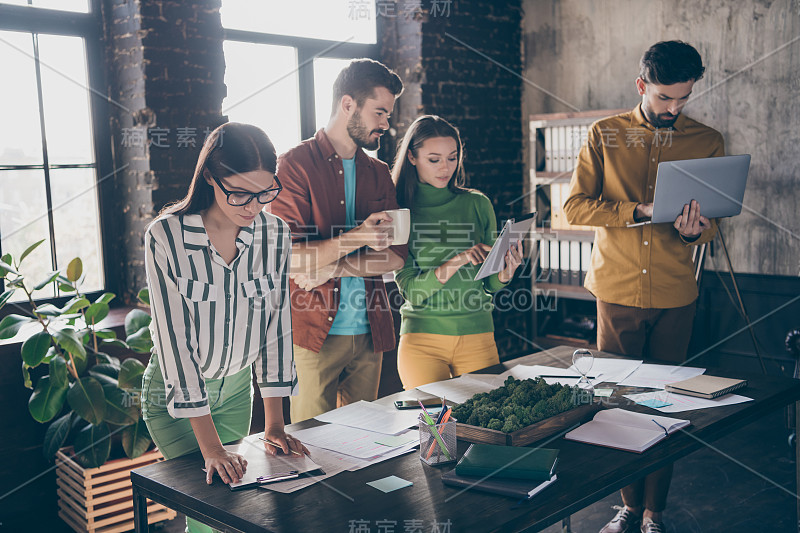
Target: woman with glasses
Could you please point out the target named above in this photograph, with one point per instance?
(217, 271)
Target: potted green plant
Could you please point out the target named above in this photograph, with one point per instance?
(88, 397)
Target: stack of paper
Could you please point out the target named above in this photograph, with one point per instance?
(457, 390)
(677, 403)
(357, 443)
(372, 417)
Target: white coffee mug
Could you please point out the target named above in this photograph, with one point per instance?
(401, 223)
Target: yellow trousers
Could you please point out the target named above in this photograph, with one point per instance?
(427, 357)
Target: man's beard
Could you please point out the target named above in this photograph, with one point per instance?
(360, 135)
(664, 120)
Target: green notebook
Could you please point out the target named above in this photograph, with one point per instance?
(508, 462)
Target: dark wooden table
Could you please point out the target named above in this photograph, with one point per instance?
(345, 503)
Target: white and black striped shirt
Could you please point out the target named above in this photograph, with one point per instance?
(211, 319)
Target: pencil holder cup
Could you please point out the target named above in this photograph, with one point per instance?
(437, 443)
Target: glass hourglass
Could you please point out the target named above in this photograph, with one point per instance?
(582, 361)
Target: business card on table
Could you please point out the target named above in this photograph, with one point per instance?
(389, 484)
(654, 403)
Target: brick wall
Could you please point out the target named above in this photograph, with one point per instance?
(166, 72)
(462, 60)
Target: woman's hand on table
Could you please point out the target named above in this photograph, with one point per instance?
(286, 443)
(229, 466)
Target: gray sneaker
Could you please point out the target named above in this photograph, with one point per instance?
(624, 522)
(648, 526)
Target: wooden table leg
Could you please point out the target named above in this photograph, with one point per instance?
(139, 512)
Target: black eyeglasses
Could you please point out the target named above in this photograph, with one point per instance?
(240, 199)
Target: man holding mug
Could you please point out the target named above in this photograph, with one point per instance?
(342, 321)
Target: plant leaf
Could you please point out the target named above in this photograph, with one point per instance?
(136, 320)
(26, 377)
(105, 369)
(135, 439)
(68, 340)
(6, 296)
(5, 268)
(29, 249)
(105, 334)
(122, 408)
(46, 400)
(35, 348)
(87, 399)
(105, 359)
(56, 434)
(51, 353)
(105, 298)
(75, 269)
(46, 281)
(10, 325)
(93, 445)
(116, 343)
(130, 374)
(95, 313)
(47, 310)
(144, 296)
(140, 342)
(75, 305)
(63, 287)
(59, 374)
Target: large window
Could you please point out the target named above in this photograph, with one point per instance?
(282, 58)
(48, 164)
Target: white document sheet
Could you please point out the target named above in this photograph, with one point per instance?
(330, 462)
(457, 390)
(371, 417)
(657, 376)
(568, 377)
(355, 442)
(681, 402)
(612, 370)
(261, 464)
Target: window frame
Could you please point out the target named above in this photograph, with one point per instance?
(307, 50)
(89, 27)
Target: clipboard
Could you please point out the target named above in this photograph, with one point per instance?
(513, 231)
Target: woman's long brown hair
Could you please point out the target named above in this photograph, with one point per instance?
(232, 148)
(404, 174)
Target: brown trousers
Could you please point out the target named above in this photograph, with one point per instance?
(650, 334)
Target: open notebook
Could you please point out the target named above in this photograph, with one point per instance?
(626, 430)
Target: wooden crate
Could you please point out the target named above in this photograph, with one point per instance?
(529, 434)
(99, 500)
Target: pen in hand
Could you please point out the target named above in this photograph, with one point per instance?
(276, 445)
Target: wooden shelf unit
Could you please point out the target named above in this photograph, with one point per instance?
(555, 140)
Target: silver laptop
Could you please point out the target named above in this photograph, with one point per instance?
(717, 183)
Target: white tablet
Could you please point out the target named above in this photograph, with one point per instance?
(513, 231)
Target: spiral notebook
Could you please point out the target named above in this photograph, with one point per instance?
(706, 386)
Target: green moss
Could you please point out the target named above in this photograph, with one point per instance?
(518, 403)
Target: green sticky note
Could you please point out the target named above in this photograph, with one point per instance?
(654, 403)
(603, 393)
(388, 484)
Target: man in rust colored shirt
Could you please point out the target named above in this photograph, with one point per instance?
(643, 276)
(334, 199)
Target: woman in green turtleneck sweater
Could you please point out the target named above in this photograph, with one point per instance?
(447, 326)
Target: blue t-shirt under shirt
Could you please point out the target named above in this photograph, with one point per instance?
(351, 318)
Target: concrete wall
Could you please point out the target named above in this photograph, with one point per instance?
(587, 52)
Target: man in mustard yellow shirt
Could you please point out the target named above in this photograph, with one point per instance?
(643, 277)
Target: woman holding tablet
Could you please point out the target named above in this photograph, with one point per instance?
(217, 271)
(447, 326)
